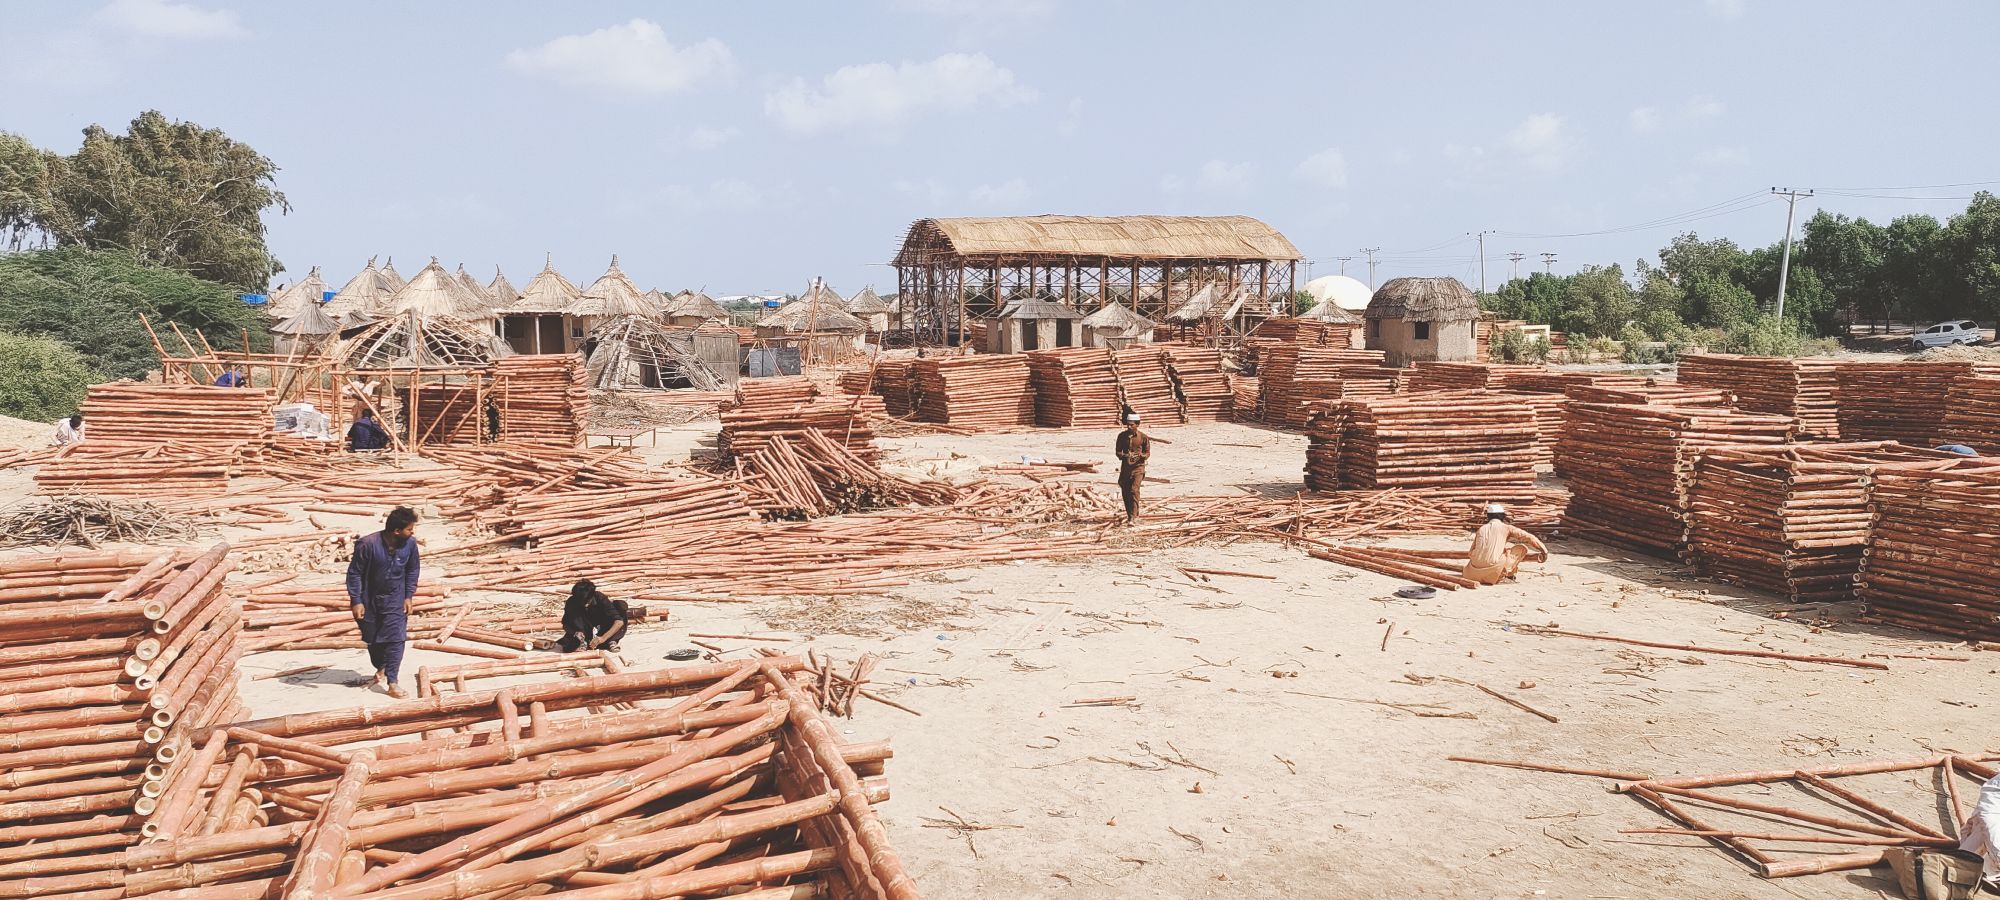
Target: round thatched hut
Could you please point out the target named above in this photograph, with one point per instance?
(1411, 319)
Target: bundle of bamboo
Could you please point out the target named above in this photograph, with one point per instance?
(755, 392)
(1789, 519)
(1074, 387)
(1432, 375)
(892, 383)
(691, 780)
(1549, 382)
(542, 399)
(166, 471)
(1470, 445)
(1551, 412)
(814, 475)
(1144, 385)
(1972, 413)
(974, 391)
(1316, 332)
(230, 424)
(1929, 562)
(1805, 389)
(1898, 401)
(114, 666)
(1199, 382)
(1245, 393)
(850, 420)
(1631, 466)
(1292, 376)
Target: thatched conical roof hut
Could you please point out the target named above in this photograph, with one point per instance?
(817, 310)
(867, 303)
(660, 302)
(613, 294)
(695, 308)
(637, 352)
(309, 322)
(501, 292)
(365, 293)
(1330, 310)
(1424, 300)
(474, 304)
(1116, 323)
(391, 277)
(310, 290)
(432, 294)
(548, 293)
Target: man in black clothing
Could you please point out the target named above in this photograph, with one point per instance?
(1133, 449)
(592, 621)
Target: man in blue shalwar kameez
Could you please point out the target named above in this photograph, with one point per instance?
(381, 580)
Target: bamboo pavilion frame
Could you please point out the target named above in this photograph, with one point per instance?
(942, 285)
(296, 377)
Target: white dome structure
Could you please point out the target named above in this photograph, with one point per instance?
(1345, 292)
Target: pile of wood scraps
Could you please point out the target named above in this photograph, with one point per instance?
(684, 781)
(1805, 389)
(813, 475)
(114, 667)
(1631, 467)
(1931, 549)
(1475, 446)
(88, 521)
(543, 399)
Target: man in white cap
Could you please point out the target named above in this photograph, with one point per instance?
(1498, 548)
(1133, 449)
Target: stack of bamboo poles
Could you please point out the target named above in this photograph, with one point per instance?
(543, 399)
(1245, 394)
(114, 665)
(1840, 815)
(1972, 414)
(814, 475)
(1653, 391)
(1789, 519)
(1469, 445)
(1144, 385)
(1074, 388)
(449, 414)
(755, 392)
(166, 471)
(974, 391)
(1441, 569)
(1806, 389)
(1432, 375)
(230, 423)
(1898, 401)
(1316, 332)
(849, 420)
(1199, 382)
(1935, 535)
(1551, 412)
(1293, 377)
(892, 382)
(1549, 382)
(1631, 466)
(695, 780)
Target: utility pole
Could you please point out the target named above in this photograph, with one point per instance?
(1371, 251)
(1482, 257)
(1549, 263)
(1785, 264)
(1514, 270)
(1343, 263)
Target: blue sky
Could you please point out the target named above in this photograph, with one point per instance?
(748, 147)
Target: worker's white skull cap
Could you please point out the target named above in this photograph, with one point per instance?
(1496, 509)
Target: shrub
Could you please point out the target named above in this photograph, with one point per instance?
(41, 379)
(91, 300)
(1767, 336)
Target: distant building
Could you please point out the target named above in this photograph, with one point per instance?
(1413, 319)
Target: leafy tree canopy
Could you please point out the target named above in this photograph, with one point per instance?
(41, 378)
(91, 300)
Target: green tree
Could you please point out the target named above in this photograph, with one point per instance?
(91, 300)
(1537, 298)
(170, 193)
(1715, 300)
(1972, 242)
(1597, 301)
(1661, 304)
(1848, 256)
(1915, 269)
(41, 378)
(1687, 258)
(1810, 308)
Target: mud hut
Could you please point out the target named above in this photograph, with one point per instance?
(1116, 325)
(538, 319)
(1412, 319)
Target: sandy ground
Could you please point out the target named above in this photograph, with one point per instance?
(1236, 769)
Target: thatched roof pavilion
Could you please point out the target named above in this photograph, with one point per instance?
(390, 277)
(801, 315)
(501, 291)
(613, 294)
(867, 303)
(951, 270)
(548, 293)
(1330, 310)
(1116, 321)
(309, 321)
(434, 293)
(696, 305)
(365, 293)
(1424, 300)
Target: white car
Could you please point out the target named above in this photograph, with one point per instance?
(1948, 334)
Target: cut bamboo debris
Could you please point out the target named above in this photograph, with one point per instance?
(1837, 814)
(1474, 446)
(1900, 401)
(664, 778)
(1972, 414)
(1805, 389)
(542, 399)
(1631, 467)
(754, 425)
(814, 476)
(1931, 546)
(981, 391)
(1792, 520)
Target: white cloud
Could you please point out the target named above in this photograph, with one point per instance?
(1012, 192)
(704, 137)
(1699, 109)
(1327, 168)
(635, 57)
(1645, 120)
(882, 95)
(1220, 177)
(1722, 157)
(1725, 9)
(178, 21)
(1543, 141)
(932, 190)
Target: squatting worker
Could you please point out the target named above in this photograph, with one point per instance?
(68, 431)
(1133, 449)
(592, 621)
(381, 580)
(1498, 548)
(366, 433)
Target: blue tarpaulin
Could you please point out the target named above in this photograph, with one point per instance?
(254, 299)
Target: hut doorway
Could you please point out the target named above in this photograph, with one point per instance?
(549, 334)
(1065, 334)
(1030, 336)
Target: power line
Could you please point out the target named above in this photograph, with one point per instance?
(1371, 251)
(1514, 268)
(1549, 263)
(1727, 207)
(1911, 187)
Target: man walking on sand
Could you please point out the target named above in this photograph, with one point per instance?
(1133, 449)
(381, 580)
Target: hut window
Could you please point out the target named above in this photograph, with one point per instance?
(1422, 330)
